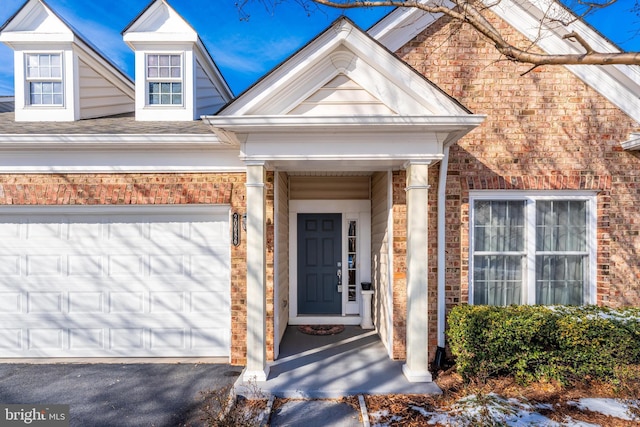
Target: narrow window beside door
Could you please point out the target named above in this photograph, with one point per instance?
(352, 264)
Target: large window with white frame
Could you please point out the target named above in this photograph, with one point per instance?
(532, 248)
(44, 79)
(164, 79)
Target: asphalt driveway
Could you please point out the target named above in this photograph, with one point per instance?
(117, 394)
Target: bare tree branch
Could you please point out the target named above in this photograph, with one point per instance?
(471, 13)
(577, 37)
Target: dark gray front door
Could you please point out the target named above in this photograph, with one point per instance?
(319, 254)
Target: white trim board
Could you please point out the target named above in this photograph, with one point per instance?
(131, 160)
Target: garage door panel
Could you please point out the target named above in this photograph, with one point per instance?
(10, 302)
(126, 302)
(166, 265)
(86, 302)
(10, 230)
(125, 265)
(82, 230)
(48, 232)
(168, 232)
(9, 266)
(167, 302)
(125, 232)
(46, 338)
(126, 339)
(11, 339)
(85, 266)
(44, 265)
(44, 302)
(86, 338)
(140, 285)
(208, 302)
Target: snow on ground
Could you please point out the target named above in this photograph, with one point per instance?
(623, 409)
(492, 409)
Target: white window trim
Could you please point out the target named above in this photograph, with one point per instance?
(530, 196)
(28, 80)
(148, 80)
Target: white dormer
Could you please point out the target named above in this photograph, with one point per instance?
(176, 79)
(58, 76)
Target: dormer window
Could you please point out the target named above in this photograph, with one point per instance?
(44, 78)
(164, 79)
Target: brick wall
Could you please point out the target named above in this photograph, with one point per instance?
(545, 130)
(399, 182)
(150, 189)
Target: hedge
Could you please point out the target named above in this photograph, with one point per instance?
(540, 342)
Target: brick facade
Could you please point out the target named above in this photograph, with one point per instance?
(545, 130)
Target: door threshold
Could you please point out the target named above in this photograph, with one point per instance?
(351, 319)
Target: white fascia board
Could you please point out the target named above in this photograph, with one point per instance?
(349, 158)
(358, 123)
(130, 159)
(147, 37)
(108, 141)
(402, 25)
(36, 38)
(633, 143)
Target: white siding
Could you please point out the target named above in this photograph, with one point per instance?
(208, 99)
(341, 96)
(329, 188)
(98, 97)
(380, 255)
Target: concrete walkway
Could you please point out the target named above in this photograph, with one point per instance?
(315, 413)
(350, 363)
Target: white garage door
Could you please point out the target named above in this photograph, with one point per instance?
(102, 281)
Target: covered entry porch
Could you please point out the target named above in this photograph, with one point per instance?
(341, 107)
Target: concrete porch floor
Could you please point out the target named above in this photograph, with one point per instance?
(352, 362)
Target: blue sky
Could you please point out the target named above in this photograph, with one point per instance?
(244, 50)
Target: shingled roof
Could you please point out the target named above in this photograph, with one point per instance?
(122, 124)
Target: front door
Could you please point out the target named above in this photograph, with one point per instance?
(319, 261)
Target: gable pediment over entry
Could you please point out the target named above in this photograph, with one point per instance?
(342, 95)
(343, 88)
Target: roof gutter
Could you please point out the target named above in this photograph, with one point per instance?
(441, 212)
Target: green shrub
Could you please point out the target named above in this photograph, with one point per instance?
(538, 342)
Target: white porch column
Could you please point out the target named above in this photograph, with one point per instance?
(257, 369)
(416, 368)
